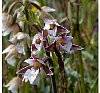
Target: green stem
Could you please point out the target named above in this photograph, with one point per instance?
(53, 82)
(79, 54)
(28, 52)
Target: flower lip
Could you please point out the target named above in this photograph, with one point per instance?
(37, 64)
(31, 75)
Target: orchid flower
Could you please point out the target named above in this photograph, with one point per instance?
(11, 29)
(35, 65)
(7, 20)
(12, 51)
(63, 42)
(54, 28)
(14, 84)
(11, 60)
(8, 25)
(38, 41)
(20, 36)
(39, 64)
(50, 26)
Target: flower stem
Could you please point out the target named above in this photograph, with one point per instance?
(28, 52)
(53, 82)
(79, 54)
(63, 85)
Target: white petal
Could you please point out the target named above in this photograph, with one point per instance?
(53, 32)
(46, 27)
(13, 28)
(33, 77)
(11, 61)
(25, 79)
(21, 24)
(12, 86)
(9, 48)
(68, 39)
(27, 73)
(20, 35)
(20, 13)
(69, 45)
(49, 21)
(30, 61)
(11, 53)
(20, 49)
(7, 32)
(47, 9)
(3, 27)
